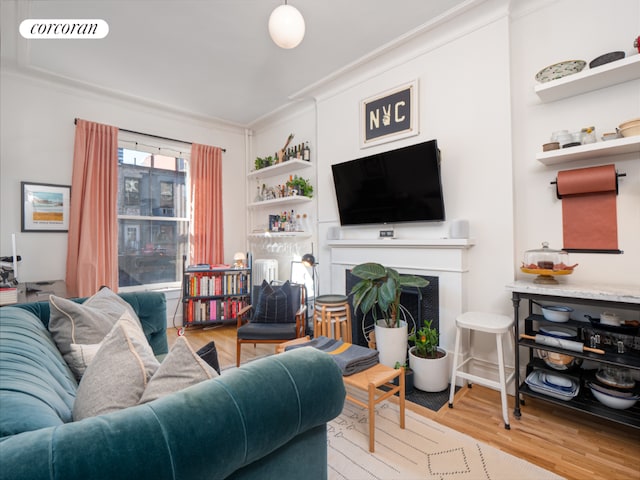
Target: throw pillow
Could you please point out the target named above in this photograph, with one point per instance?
(84, 323)
(209, 354)
(81, 356)
(119, 372)
(181, 368)
(273, 304)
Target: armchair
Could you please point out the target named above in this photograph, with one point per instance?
(277, 314)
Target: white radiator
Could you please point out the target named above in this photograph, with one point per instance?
(265, 269)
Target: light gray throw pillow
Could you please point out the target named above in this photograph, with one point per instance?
(181, 368)
(84, 323)
(119, 372)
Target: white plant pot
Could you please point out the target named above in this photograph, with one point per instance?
(392, 343)
(430, 374)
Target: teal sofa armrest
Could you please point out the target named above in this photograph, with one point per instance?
(249, 420)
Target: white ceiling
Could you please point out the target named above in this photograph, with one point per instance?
(211, 58)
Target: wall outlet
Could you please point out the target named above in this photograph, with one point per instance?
(386, 233)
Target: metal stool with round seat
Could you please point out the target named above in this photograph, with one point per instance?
(332, 317)
(499, 325)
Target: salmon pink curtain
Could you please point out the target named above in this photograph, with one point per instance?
(207, 244)
(92, 251)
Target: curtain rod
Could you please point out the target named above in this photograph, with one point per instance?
(75, 122)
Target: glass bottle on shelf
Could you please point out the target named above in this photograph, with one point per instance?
(306, 152)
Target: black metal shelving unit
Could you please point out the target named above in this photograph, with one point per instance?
(584, 401)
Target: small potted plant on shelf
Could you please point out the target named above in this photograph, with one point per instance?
(301, 185)
(265, 162)
(379, 292)
(428, 361)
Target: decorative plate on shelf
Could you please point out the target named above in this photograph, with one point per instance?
(559, 70)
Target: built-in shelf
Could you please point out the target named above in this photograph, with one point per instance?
(590, 79)
(293, 200)
(609, 148)
(284, 235)
(280, 169)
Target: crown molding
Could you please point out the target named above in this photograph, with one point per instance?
(17, 70)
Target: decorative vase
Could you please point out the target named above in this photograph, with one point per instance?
(430, 374)
(392, 343)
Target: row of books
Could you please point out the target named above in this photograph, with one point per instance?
(207, 267)
(8, 295)
(227, 283)
(202, 311)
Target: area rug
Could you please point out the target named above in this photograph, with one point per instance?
(423, 450)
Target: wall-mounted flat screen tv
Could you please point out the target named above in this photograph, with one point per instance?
(401, 185)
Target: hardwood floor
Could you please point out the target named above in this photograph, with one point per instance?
(571, 444)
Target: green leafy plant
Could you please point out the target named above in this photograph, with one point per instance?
(426, 341)
(260, 162)
(381, 287)
(302, 185)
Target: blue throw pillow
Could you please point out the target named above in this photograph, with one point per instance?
(273, 304)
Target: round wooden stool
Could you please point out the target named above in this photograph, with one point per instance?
(332, 317)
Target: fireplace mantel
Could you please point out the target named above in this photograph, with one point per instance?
(442, 257)
(404, 243)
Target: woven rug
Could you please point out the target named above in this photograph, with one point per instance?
(423, 450)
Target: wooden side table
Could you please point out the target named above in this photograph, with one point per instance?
(369, 381)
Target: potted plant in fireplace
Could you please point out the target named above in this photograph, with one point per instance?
(378, 292)
(429, 362)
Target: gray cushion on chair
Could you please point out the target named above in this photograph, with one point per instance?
(273, 304)
(267, 331)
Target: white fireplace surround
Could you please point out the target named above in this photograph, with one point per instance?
(444, 258)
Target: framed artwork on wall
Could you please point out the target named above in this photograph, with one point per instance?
(390, 115)
(45, 207)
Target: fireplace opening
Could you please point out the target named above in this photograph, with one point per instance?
(421, 304)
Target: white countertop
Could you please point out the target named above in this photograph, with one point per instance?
(612, 293)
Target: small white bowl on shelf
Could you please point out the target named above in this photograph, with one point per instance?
(611, 136)
(556, 313)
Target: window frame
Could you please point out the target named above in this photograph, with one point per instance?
(178, 150)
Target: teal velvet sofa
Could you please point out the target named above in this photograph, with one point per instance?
(266, 419)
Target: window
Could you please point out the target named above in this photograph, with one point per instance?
(153, 223)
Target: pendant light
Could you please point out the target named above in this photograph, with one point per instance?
(286, 26)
